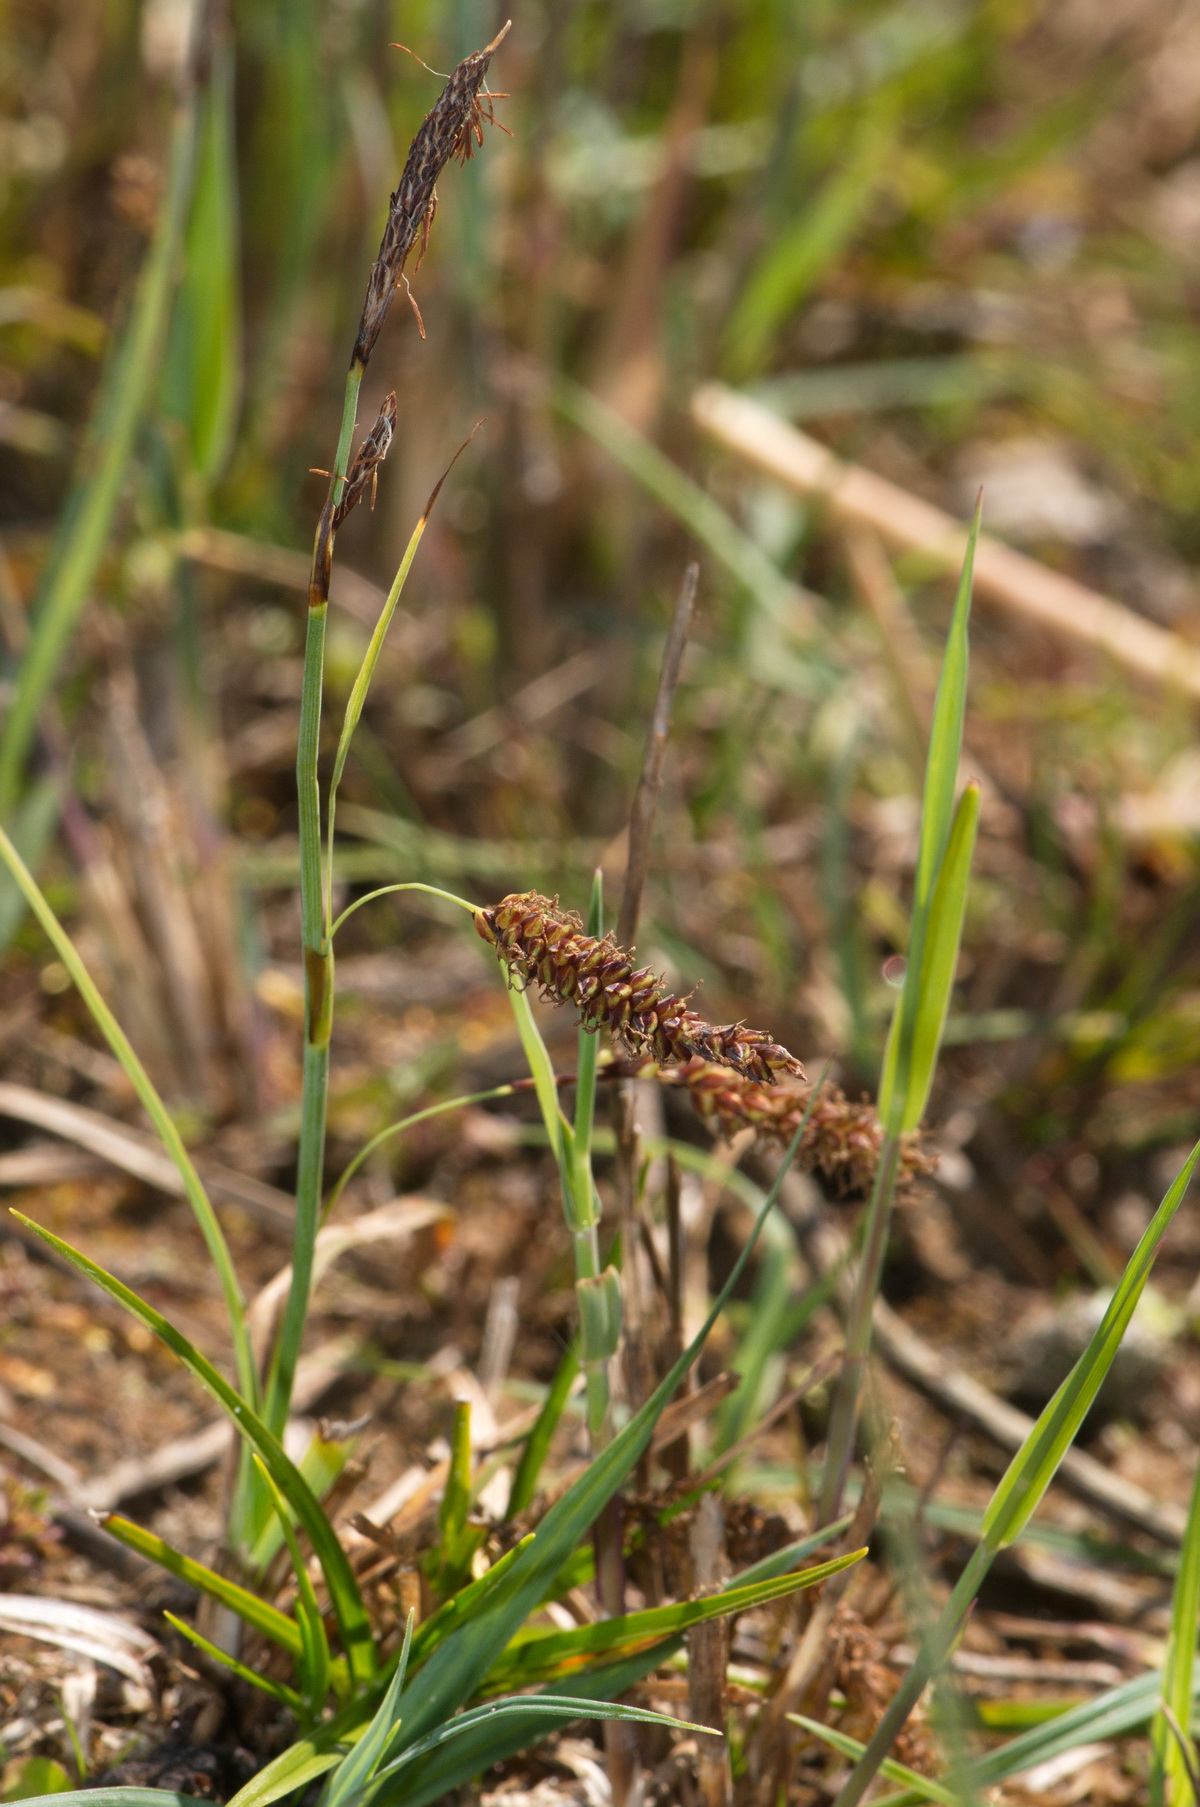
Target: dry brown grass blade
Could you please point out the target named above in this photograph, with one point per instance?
(140, 1156)
(858, 497)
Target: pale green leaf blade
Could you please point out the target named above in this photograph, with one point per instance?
(287, 1697)
(1033, 1467)
(541, 1654)
(118, 1797)
(154, 1107)
(1168, 1763)
(921, 1787)
(259, 1614)
(353, 1624)
(943, 933)
(202, 373)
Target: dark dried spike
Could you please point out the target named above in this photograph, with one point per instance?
(842, 1140)
(370, 455)
(540, 943)
(446, 131)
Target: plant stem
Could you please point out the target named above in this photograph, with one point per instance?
(318, 954)
(844, 1418)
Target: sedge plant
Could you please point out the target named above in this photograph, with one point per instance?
(398, 1724)
(384, 1724)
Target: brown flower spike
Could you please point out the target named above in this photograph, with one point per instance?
(544, 945)
(451, 127)
(841, 1141)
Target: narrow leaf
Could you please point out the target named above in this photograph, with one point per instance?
(353, 1624)
(943, 935)
(1168, 1760)
(537, 1444)
(1034, 1465)
(541, 1653)
(155, 1109)
(920, 1786)
(255, 1612)
(286, 1696)
(460, 1663)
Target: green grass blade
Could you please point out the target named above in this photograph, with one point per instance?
(542, 1653)
(460, 1608)
(545, 1085)
(585, 1064)
(946, 733)
(315, 1663)
(801, 250)
(1168, 1763)
(460, 1663)
(120, 1797)
(523, 1707)
(154, 1108)
(1032, 1468)
(920, 1787)
(311, 1756)
(943, 934)
(202, 375)
(84, 526)
(287, 1697)
(488, 1742)
(780, 1561)
(366, 671)
(937, 812)
(321, 1464)
(353, 1625)
(374, 1746)
(397, 1129)
(537, 1444)
(1020, 1491)
(259, 1614)
(456, 1499)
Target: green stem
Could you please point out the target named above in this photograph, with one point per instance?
(318, 954)
(395, 1129)
(83, 531)
(386, 891)
(844, 1418)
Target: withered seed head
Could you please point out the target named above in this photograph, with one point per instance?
(546, 946)
(841, 1142)
(367, 460)
(455, 118)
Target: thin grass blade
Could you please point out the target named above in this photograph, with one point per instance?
(542, 1654)
(943, 934)
(921, 1788)
(259, 1614)
(537, 1444)
(155, 1109)
(287, 1697)
(353, 1625)
(1169, 1764)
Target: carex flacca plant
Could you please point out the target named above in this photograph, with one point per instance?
(391, 1713)
(396, 1714)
